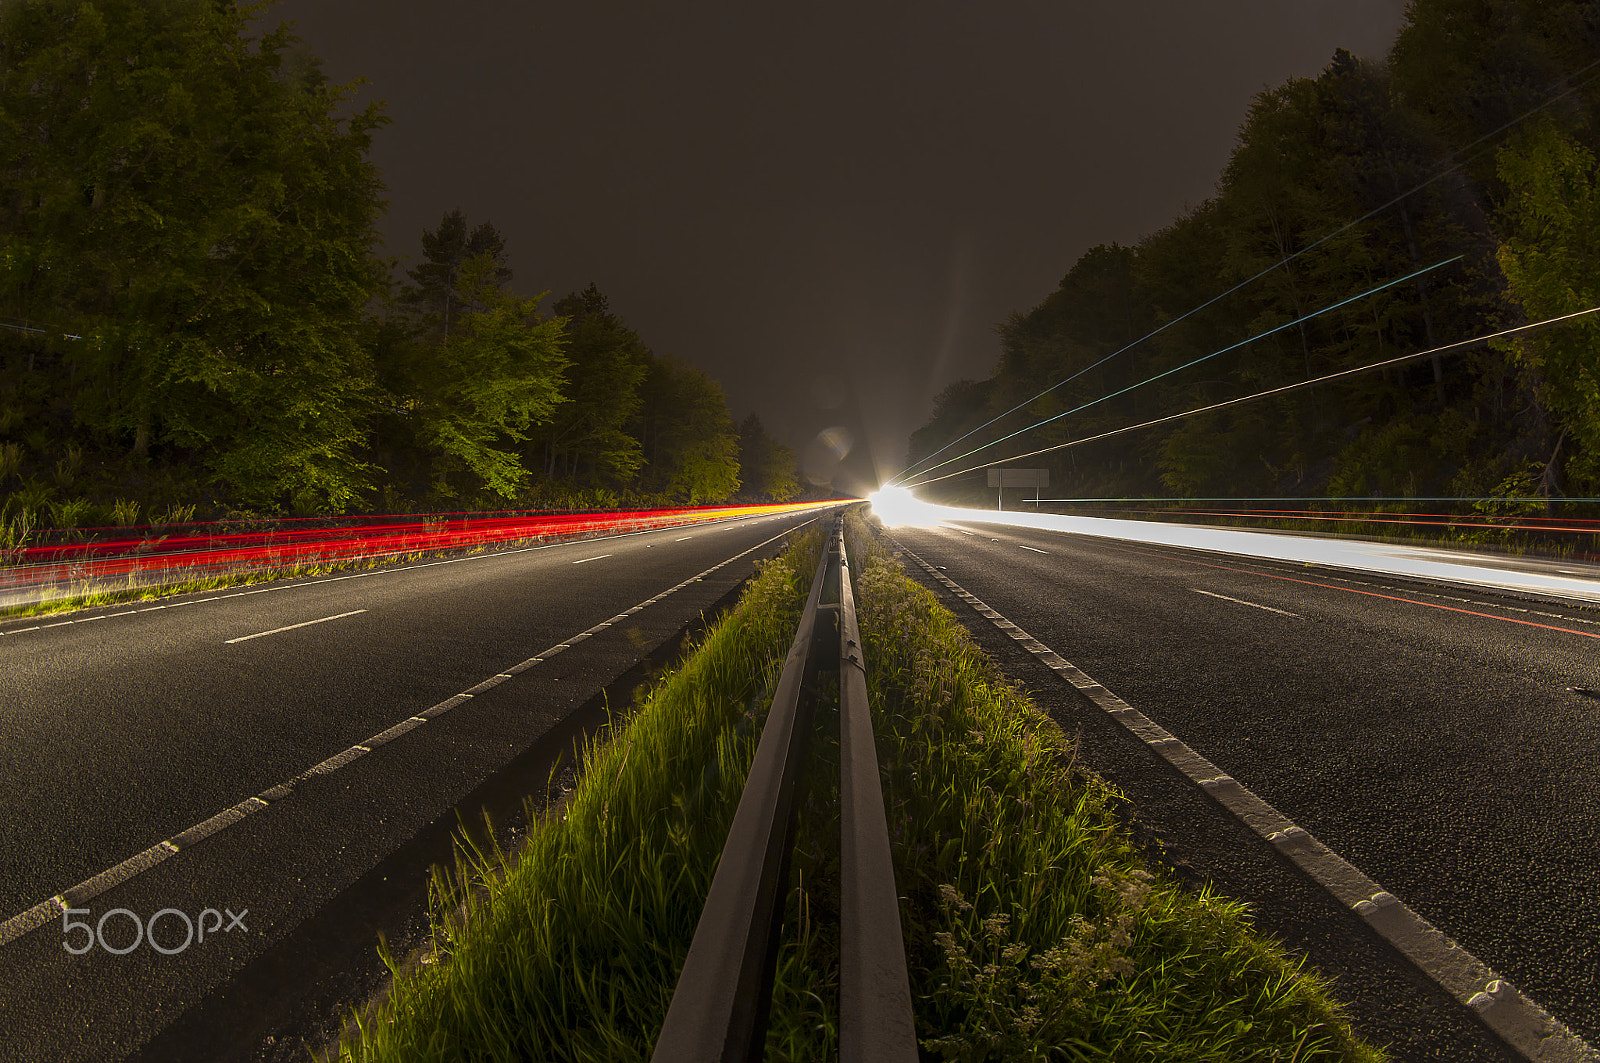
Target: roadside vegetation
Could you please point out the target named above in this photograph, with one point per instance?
(196, 311)
(1034, 930)
(1488, 111)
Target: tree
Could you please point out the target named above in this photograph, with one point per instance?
(767, 468)
(588, 435)
(482, 389)
(436, 289)
(1551, 259)
(689, 436)
(189, 202)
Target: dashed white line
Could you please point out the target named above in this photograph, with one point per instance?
(1035, 549)
(291, 627)
(50, 909)
(597, 557)
(1253, 605)
(685, 539)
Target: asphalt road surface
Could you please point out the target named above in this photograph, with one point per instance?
(132, 724)
(1425, 733)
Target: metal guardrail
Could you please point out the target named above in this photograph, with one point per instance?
(720, 1007)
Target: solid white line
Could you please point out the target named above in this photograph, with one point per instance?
(1253, 605)
(597, 557)
(1034, 549)
(291, 627)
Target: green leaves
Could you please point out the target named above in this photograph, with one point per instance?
(1367, 174)
(694, 450)
(767, 468)
(1551, 259)
(176, 193)
(496, 377)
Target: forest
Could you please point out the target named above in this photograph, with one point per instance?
(1378, 210)
(196, 320)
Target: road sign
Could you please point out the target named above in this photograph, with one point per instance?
(1020, 479)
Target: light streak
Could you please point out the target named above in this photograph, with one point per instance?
(1459, 345)
(1186, 365)
(1417, 562)
(906, 473)
(157, 556)
(896, 507)
(1511, 522)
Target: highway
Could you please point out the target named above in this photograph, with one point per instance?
(261, 749)
(1424, 732)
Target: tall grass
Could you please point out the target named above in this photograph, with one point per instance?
(1034, 930)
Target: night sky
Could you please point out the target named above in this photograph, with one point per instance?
(826, 206)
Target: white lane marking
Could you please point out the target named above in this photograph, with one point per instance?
(597, 557)
(1517, 1019)
(964, 531)
(685, 539)
(51, 909)
(291, 627)
(1253, 605)
(1034, 549)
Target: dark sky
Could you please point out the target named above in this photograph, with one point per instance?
(826, 206)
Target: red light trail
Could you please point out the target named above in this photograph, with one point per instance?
(161, 556)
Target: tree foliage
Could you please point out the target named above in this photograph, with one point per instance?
(1551, 259)
(1338, 184)
(438, 293)
(688, 434)
(188, 202)
(193, 301)
(484, 387)
(768, 470)
(589, 436)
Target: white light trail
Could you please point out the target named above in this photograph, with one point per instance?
(1558, 579)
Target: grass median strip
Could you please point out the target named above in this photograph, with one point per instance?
(1033, 930)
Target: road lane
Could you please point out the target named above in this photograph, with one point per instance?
(1426, 733)
(155, 717)
(124, 732)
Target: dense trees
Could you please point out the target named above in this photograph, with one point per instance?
(768, 469)
(194, 307)
(188, 206)
(1339, 184)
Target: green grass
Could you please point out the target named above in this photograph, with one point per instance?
(1033, 930)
